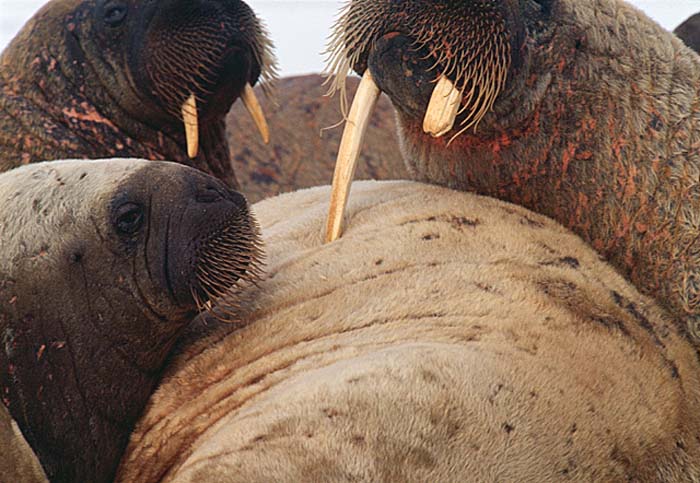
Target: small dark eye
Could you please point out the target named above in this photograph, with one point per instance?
(129, 218)
(114, 13)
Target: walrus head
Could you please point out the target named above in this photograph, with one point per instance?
(409, 46)
(586, 111)
(103, 265)
(134, 78)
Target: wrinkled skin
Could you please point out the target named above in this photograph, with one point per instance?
(446, 337)
(689, 32)
(597, 126)
(94, 79)
(98, 277)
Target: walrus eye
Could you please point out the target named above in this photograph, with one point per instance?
(114, 13)
(129, 218)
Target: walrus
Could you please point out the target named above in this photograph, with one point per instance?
(689, 32)
(445, 337)
(103, 265)
(17, 460)
(586, 111)
(92, 79)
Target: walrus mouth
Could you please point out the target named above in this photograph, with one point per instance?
(200, 57)
(467, 44)
(228, 260)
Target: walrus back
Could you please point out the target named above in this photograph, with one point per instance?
(445, 337)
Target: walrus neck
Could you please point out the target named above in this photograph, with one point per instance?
(89, 421)
(610, 151)
(60, 109)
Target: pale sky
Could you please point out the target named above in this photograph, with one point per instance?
(299, 28)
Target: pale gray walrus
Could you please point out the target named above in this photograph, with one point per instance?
(586, 111)
(444, 337)
(103, 265)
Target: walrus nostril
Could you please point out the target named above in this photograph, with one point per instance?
(210, 194)
(215, 194)
(237, 198)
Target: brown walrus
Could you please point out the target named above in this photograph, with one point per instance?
(689, 32)
(586, 111)
(446, 337)
(103, 265)
(130, 78)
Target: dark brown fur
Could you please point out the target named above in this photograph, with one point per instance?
(101, 269)
(598, 127)
(78, 83)
(689, 32)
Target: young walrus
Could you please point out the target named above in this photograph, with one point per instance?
(689, 32)
(103, 264)
(131, 78)
(446, 337)
(586, 111)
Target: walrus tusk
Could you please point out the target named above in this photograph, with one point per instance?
(250, 101)
(189, 118)
(355, 128)
(442, 109)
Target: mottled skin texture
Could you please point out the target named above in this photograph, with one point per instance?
(689, 32)
(446, 337)
(299, 154)
(598, 127)
(98, 273)
(78, 83)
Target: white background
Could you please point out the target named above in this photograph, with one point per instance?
(299, 27)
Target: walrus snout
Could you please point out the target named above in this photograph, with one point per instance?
(209, 49)
(218, 242)
(407, 78)
(468, 51)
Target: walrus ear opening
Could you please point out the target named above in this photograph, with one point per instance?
(114, 12)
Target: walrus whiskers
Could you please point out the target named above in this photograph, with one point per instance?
(474, 66)
(222, 259)
(475, 62)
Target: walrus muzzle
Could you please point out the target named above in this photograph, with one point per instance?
(447, 64)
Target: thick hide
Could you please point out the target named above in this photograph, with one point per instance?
(445, 337)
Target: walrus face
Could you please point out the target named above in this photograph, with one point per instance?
(448, 67)
(186, 61)
(143, 78)
(103, 265)
(176, 49)
(455, 58)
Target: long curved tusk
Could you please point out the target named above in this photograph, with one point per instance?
(251, 103)
(349, 151)
(442, 109)
(189, 118)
